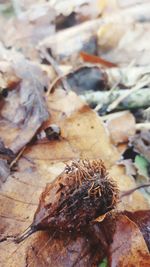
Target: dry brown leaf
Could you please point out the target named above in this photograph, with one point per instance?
(6, 156)
(133, 202)
(88, 78)
(129, 166)
(78, 251)
(19, 122)
(4, 171)
(122, 148)
(8, 77)
(142, 219)
(122, 46)
(141, 143)
(87, 41)
(128, 247)
(121, 126)
(96, 60)
(83, 134)
(25, 31)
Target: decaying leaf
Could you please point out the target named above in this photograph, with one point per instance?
(24, 118)
(121, 127)
(97, 60)
(4, 171)
(6, 156)
(129, 166)
(121, 46)
(141, 143)
(142, 166)
(88, 78)
(30, 26)
(6, 153)
(142, 219)
(132, 202)
(128, 247)
(77, 251)
(88, 41)
(78, 123)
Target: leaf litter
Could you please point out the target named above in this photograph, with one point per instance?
(43, 131)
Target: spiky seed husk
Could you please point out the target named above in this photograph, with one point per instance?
(80, 194)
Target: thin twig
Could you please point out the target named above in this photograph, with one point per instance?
(57, 79)
(72, 71)
(17, 157)
(7, 238)
(143, 82)
(129, 192)
(114, 88)
(52, 61)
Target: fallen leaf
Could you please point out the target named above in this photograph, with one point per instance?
(96, 60)
(6, 153)
(87, 78)
(142, 219)
(142, 166)
(129, 166)
(28, 28)
(103, 263)
(121, 127)
(76, 251)
(6, 156)
(141, 143)
(121, 46)
(88, 41)
(4, 171)
(78, 123)
(24, 118)
(128, 247)
(122, 148)
(133, 202)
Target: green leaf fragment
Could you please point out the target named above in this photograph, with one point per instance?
(142, 165)
(103, 263)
